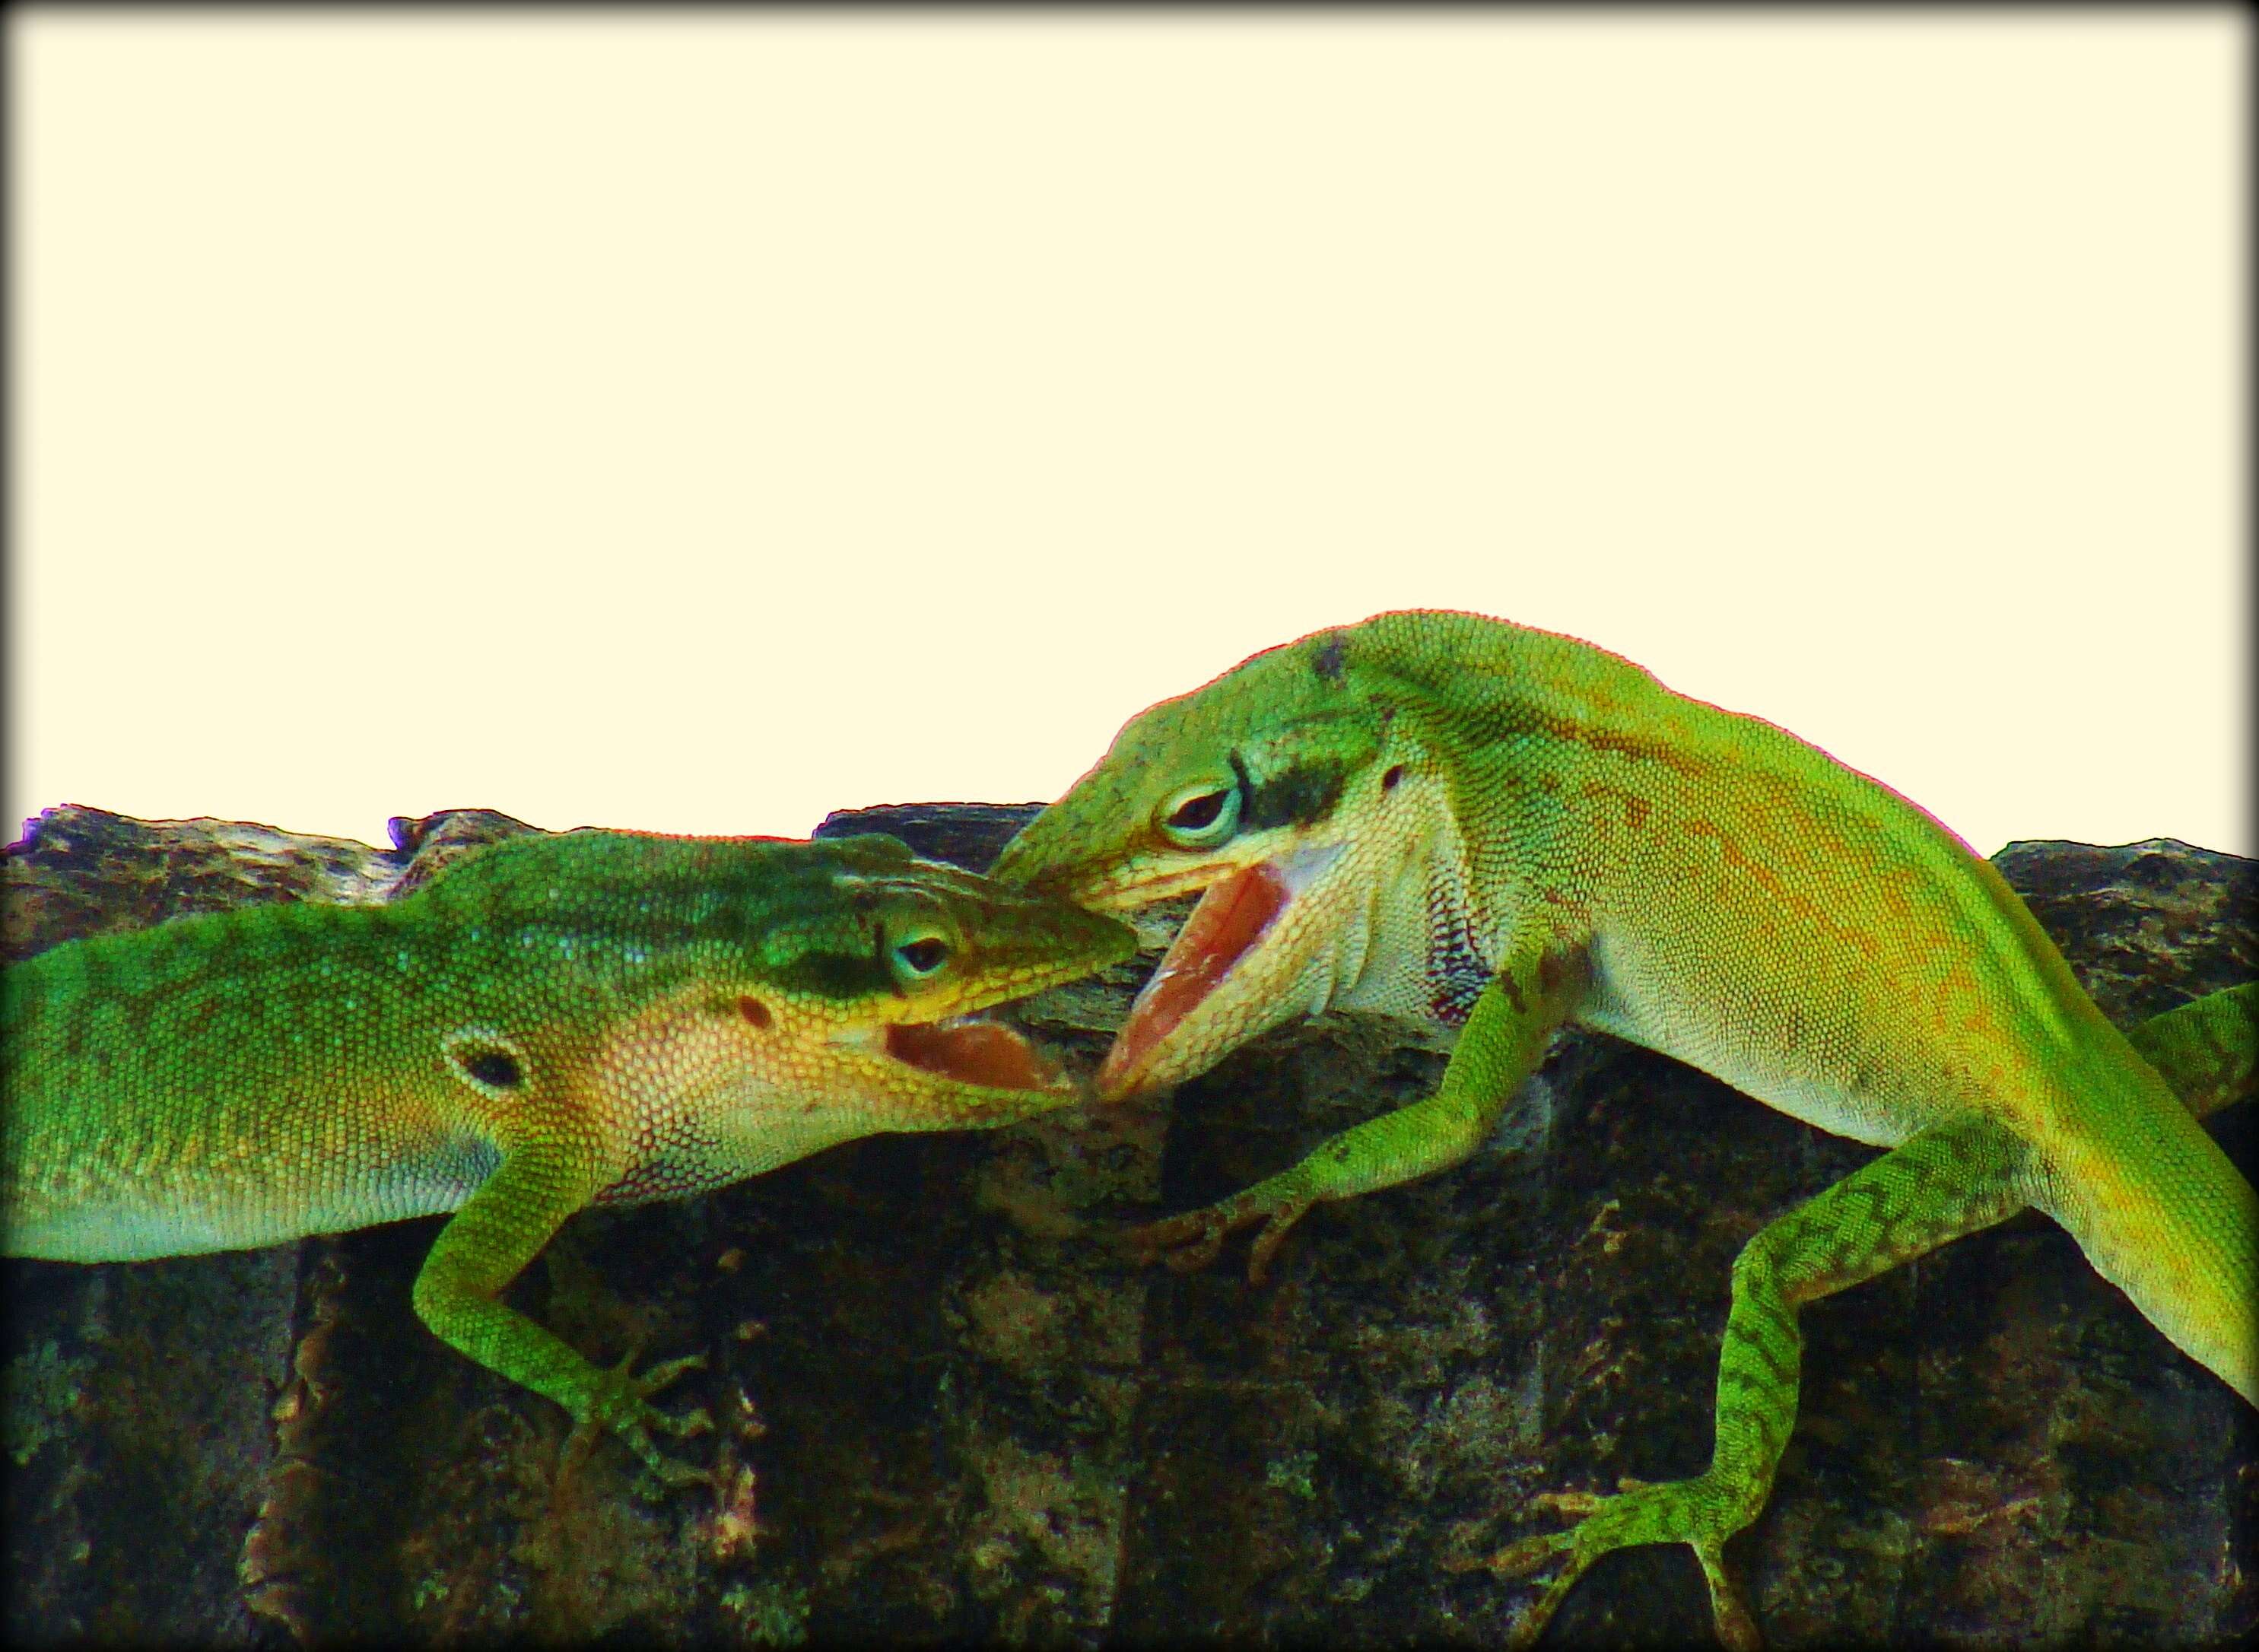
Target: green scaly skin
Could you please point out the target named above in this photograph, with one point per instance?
(553, 1023)
(1447, 817)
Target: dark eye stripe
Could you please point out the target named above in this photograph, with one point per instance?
(1302, 796)
(836, 975)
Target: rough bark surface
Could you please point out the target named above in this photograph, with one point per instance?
(949, 1407)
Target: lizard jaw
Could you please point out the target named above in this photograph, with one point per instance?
(983, 1053)
(1230, 923)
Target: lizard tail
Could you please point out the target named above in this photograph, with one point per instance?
(2164, 1215)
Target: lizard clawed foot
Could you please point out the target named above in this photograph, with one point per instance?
(621, 1404)
(1191, 1241)
(1699, 1512)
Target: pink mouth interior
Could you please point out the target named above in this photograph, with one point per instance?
(972, 1052)
(1231, 918)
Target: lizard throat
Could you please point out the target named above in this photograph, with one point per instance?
(976, 1052)
(1231, 917)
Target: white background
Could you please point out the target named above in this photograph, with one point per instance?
(700, 423)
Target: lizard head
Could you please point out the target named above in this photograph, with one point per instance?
(745, 1002)
(1288, 790)
(879, 981)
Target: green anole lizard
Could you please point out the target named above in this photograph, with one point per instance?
(551, 1022)
(1442, 816)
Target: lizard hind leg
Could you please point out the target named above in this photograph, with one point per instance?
(1952, 1179)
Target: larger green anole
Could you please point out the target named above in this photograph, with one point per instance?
(1442, 816)
(552, 1022)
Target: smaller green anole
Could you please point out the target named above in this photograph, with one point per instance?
(1453, 819)
(594, 1018)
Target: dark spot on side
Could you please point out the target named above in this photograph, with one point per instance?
(756, 1013)
(1328, 658)
(1390, 780)
(1300, 797)
(1557, 971)
(497, 1068)
(1507, 984)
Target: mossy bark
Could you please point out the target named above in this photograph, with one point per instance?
(949, 1406)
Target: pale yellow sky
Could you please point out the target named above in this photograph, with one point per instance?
(696, 424)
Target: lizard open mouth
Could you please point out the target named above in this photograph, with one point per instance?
(977, 1052)
(1231, 917)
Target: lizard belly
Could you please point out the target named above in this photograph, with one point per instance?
(1797, 1052)
(134, 1222)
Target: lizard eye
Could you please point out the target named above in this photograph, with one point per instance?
(919, 958)
(1200, 816)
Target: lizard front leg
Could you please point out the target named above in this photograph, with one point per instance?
(1514, 1019)
(489, 1243)
(1951, 1179)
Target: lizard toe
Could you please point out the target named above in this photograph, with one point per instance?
(665, 1372)
(1276, 1225)
(1701, 1513)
